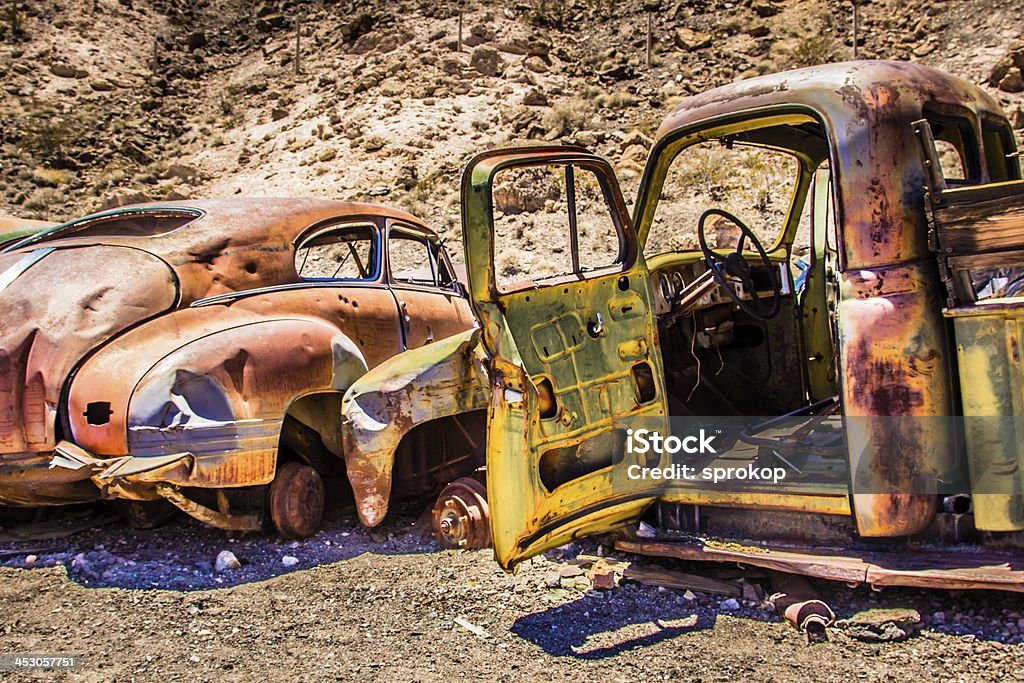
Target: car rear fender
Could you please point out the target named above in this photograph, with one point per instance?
(221, 396)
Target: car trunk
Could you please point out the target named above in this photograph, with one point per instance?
(56, 305)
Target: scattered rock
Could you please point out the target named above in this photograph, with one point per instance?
(689, 595)
(226, 560)
(101, 85)
(690, 40)
(568, 571)
(515, 46)
(277, 113)
(764, 9)
(196, 40)
(478, 35)
(67, 71)
(268, 23)
(485, 60)
(536, 64)
(535, 98)
(552, 580)
(289, 560)
(1013, 81)
(30, 560)
(729, 605)
(759, 31)
(636, 137)
(882, 625)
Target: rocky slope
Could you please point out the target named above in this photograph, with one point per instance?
(109, 101)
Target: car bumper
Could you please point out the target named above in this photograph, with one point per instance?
(28, 480)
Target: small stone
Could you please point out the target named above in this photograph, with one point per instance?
(765, 9)
(939, 618)
(689, 595)
(226, 560)
(604, 580)
(569, 570)
(30, 560)
(276, 114)
(196, 40)
(66, 71)
(690, 40)
(289, 560)
(1012, 81)
(552, 580)
(924, 49)
(536, 64)
(485, 60)
(535, 98)
(883, 624)
(195, 659)
(729, 605)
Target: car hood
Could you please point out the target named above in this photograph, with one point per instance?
(57, 305)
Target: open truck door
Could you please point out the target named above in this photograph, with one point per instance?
(564, 298)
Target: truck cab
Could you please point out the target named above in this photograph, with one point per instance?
(780, 311)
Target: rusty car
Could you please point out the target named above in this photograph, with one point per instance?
(815, 281)
(193, 355)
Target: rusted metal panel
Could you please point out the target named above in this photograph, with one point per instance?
(434, 381)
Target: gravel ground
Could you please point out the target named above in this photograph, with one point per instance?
(149, 605)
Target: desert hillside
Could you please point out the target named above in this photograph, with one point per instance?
(111, 101)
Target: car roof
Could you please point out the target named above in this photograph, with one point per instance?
(242, 219)
(846, 92)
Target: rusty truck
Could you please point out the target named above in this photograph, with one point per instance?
(821, 273)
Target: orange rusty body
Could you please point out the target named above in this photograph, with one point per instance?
(154, 331)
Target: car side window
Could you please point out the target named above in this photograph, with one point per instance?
(417, 261)
(347, 252)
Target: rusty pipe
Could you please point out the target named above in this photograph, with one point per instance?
(800, 605)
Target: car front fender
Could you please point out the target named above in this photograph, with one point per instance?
(438, 380)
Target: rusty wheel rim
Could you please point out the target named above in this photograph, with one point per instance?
(461, 517)
(296, 500)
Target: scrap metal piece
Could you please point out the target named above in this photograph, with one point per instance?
(801, 606)
(228, 521)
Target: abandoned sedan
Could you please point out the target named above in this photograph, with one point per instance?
(198, 353)
(800, 352)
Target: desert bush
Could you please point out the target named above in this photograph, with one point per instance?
(49, 177)
(41, 201)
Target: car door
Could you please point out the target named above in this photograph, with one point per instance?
(573, 356)
(430, 304)
(341, 267)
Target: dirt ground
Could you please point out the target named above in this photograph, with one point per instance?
(147, 605)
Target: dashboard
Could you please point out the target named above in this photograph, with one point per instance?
(670, 280)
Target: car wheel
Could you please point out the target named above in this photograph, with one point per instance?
(145, 514)
(296, 500)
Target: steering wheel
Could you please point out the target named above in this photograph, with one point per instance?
(735, 265)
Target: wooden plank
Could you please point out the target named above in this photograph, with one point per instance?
(949, 568)
(986, 225)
